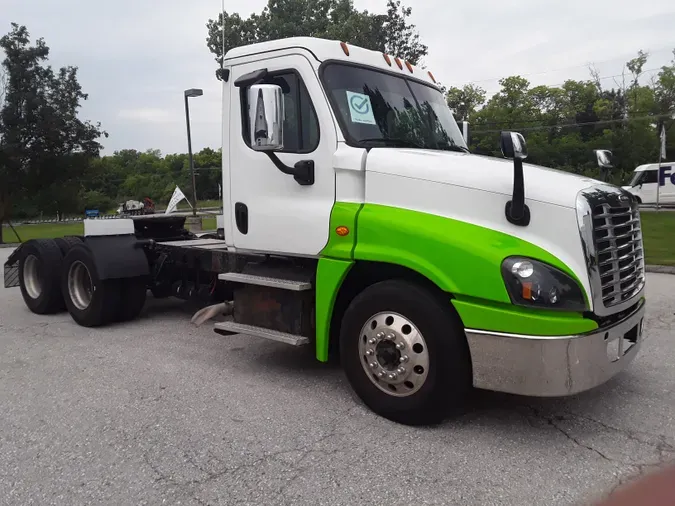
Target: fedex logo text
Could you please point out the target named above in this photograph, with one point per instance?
(666, 172)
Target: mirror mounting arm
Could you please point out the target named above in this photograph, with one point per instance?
(516, 210)
(302, 172)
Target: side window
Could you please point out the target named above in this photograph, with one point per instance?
(650, 176)
(301, 126)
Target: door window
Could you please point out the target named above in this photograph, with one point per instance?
(649, 176)
(301, 126)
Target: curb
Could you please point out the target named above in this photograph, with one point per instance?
(661, 269)
(8, 245)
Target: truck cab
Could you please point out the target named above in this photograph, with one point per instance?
(650, 177)
(355, 220)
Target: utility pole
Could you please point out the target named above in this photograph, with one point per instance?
(192, 92)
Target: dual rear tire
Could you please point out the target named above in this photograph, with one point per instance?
(61, 274)
(92, 301)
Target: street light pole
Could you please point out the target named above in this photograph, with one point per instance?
(193, 92)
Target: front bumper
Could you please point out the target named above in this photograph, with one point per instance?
(557, 365)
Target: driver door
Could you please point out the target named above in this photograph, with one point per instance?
(271, 211)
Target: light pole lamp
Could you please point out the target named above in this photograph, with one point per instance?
(192, 92)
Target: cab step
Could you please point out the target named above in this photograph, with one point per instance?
(272, 282)
(230, 327)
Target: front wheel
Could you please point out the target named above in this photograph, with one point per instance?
(404, 352)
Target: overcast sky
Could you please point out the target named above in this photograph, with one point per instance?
(136, 57)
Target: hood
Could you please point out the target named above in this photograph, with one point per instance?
(479, 172)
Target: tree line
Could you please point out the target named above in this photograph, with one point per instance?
(50, 159)
(564, 124)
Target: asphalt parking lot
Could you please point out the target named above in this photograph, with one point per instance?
(160, 412)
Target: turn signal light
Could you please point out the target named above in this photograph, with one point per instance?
(342, 231)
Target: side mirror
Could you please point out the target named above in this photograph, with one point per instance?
(266, 117)
(513, 145)
(604, 158)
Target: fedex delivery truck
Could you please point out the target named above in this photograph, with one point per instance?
(647, 178)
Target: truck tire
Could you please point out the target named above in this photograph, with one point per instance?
(133, 294)
(65, 243)
(404, 352)
(91, 302)
(39, 276)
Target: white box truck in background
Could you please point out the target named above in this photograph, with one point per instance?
(652, 177)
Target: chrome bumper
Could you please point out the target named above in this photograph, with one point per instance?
(554, 366)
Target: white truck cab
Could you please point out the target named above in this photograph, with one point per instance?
(356, 220)
(650, 177)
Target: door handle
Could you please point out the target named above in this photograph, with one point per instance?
(241, 217)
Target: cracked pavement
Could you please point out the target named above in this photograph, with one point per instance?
(160, 412)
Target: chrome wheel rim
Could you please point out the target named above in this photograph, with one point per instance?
(80, 287)
(31, 276)
(393, 354)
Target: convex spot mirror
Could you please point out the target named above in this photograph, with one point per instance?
(266, 117)
(513, 145)
(604, 158)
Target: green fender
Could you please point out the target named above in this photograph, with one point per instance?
(462, 259)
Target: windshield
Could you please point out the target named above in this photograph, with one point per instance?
(635, 180)
(376, 108)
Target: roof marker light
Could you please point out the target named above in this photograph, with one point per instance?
(398, 62)
(387, 59)
(410, 67)
(345, 48)
(432, 77)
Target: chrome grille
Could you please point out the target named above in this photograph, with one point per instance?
(609, 222)
(618, 245)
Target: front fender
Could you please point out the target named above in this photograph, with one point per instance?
(459, 257)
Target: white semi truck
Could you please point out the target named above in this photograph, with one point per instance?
(356, 220)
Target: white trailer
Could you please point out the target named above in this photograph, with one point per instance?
(356, 220)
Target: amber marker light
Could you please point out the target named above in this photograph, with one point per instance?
(345, 48)
(342, 231)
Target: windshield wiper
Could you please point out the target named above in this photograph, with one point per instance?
(454, 147)
(394, 141)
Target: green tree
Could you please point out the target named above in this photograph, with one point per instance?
(44, 147)
(331, 19)
(465, 101)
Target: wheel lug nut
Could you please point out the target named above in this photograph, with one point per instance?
(372, 340)
(393, 376)
(404, 359)
(380, 335)
(401, 370)
(382, 374)
(373, 365)
(391, 336)
(400, 346)
(369, 353)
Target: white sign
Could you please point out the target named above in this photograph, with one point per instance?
(360, 108)
(177, 196)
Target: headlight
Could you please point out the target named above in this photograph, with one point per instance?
(535, 284)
